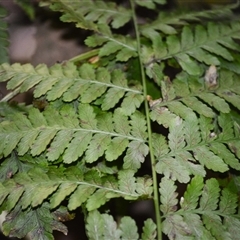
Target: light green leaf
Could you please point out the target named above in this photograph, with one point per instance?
(215, 101)
(128, 228)
(97, 199)
(135, 155)
(214, 223)
(77, 146)
(173, 44)
(112, 97)
(97, 146)
(163, 116)
(80, 195)
(149, 230)
(121, 124)
(198, 106)
(209, 159)
(171, 167)
(192, 194)
(228, 202)
(63, 191)
(110, 228)
(188, 64)
(191, 131)
(176, 136)
(116, 148)
(144, 186)
(87, 116)
(181, 110)
(160, 145)
(195, 224)
(131, 102)
(60, 142)
(127, 182)
(175, 227)
(222, 151)
(233, 226)
(168, 196)
(42, 140)
(210, 195)
(95, 225)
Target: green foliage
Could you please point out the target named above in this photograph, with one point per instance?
(97, 124)
(204, 213)
(103, 226)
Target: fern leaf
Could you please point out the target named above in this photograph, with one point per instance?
(95, 225)
(56, 82)
(232, 225)
(81, 194)
(168, 195)
(222, 151)
(166, 21)
(64, 190)
(144, 186)
(38, 223)
(177, 161)
(210, 195)
(203, 221)
(209, 49)
(192, 194)
(110, 229)
(97, 199)
(88, 134)
(32, 188)
(128, 228)
(91, 14)
(123, 47)
(99, 16)
(103, 226)
(197, 227)
(228, 202)
(149, 230)
(203, 155)
(3, 37)
(214, 224)
(136, 153)
(175, 227)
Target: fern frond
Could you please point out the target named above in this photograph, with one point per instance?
(123, 46)
(100, 17)
(186, 95)
(192, 139)
(38, 223)
(3, 37)
(71, 83)
(103, 226)
(206, 45)
(205, 221)
(32, 188)
(90, 14)
(184, 146)
(70, 134)
(169, 22)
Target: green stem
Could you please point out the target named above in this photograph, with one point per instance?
(84, 56)
(152, 157)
